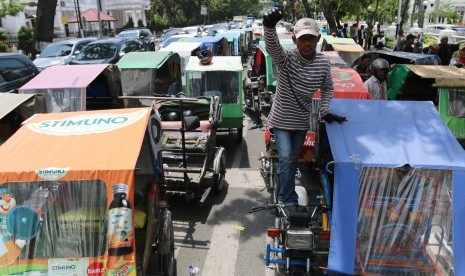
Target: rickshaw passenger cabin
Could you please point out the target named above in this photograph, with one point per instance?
(77, 88)
(149, 73)
(66, 183)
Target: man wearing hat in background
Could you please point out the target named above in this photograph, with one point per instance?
(301, 72)
(446, 50)
(460, 60)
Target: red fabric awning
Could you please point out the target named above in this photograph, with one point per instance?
(91, 15)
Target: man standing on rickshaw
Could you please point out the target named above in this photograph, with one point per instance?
(301, 72)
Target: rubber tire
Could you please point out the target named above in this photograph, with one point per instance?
(218, 179)
(239, 134)
(169, 264)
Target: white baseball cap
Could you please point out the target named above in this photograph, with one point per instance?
(306, 26)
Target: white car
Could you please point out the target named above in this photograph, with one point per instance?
(61, 52)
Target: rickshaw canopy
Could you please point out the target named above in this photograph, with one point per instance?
(65, 76)
(219, 63)
(77, 137)
(144, 60)
(10, 101)
(75, 88)
(183, 48)
(335, 59)
(396, 57)
(329, 39)
(387, 135)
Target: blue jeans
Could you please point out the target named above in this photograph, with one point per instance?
(289, 143)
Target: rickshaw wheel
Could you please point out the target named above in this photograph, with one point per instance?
(218, 178)
(239, 135)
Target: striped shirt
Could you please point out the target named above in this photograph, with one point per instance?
(297, 80)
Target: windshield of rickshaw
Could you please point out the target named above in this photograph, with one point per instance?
(455, 104)
(222, 77)
(404, 221)
(223, 84)
(393, 200)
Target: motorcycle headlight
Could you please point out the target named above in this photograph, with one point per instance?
(301, 239)
(255, 85)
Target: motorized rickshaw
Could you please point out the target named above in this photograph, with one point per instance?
(347, 84)
(218, 45)
(194, 165)
(443, 85)
(398, 191)
(222, 78)
(15, 109)
(185, 50)
(150, 73)
(346, 48)
(82, 194)
(77, 88)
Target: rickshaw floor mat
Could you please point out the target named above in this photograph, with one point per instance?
(193, 140)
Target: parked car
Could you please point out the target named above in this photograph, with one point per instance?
(61, 52)
(171, 32)
(143, 34)
(15, 70)
(107, 50)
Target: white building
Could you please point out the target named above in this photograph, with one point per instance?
(66, 9)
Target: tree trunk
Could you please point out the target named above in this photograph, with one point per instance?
(404, 11)
(44, 23)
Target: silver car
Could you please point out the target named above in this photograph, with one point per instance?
(61, 52)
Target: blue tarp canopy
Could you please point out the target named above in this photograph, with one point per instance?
(389, 134)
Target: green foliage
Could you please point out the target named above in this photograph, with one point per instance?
(3, 43)
(129, 24)
(159, 23)
(429, 40)
(140, 23)
(26, 40)
(10, 7)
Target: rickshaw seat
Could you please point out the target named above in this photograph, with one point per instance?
(205, 125)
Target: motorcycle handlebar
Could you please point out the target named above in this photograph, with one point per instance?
(263, 207)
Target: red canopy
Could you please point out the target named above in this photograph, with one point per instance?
(91, 15)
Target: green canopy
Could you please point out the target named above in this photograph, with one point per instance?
(144, 60)
(396, 79)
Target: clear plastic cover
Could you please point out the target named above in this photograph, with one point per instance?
(54, 219)
(404, 222)
(138, 82)
(456, 102)
(224, 84)
(62, 99)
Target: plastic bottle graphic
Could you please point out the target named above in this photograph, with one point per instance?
(120, 235)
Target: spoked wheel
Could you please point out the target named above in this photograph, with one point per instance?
(219, 168)
(162, 260)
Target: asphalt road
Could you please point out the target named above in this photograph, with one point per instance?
(221, 237)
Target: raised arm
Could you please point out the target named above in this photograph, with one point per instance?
(272, 45)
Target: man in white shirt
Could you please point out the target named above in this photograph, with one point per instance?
(377, 83)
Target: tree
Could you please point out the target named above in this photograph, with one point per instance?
(10, 7)
(44, 23)
(129, 24)
(26, 40)
(140, 23)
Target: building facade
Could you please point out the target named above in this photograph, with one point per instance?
(66, 9)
